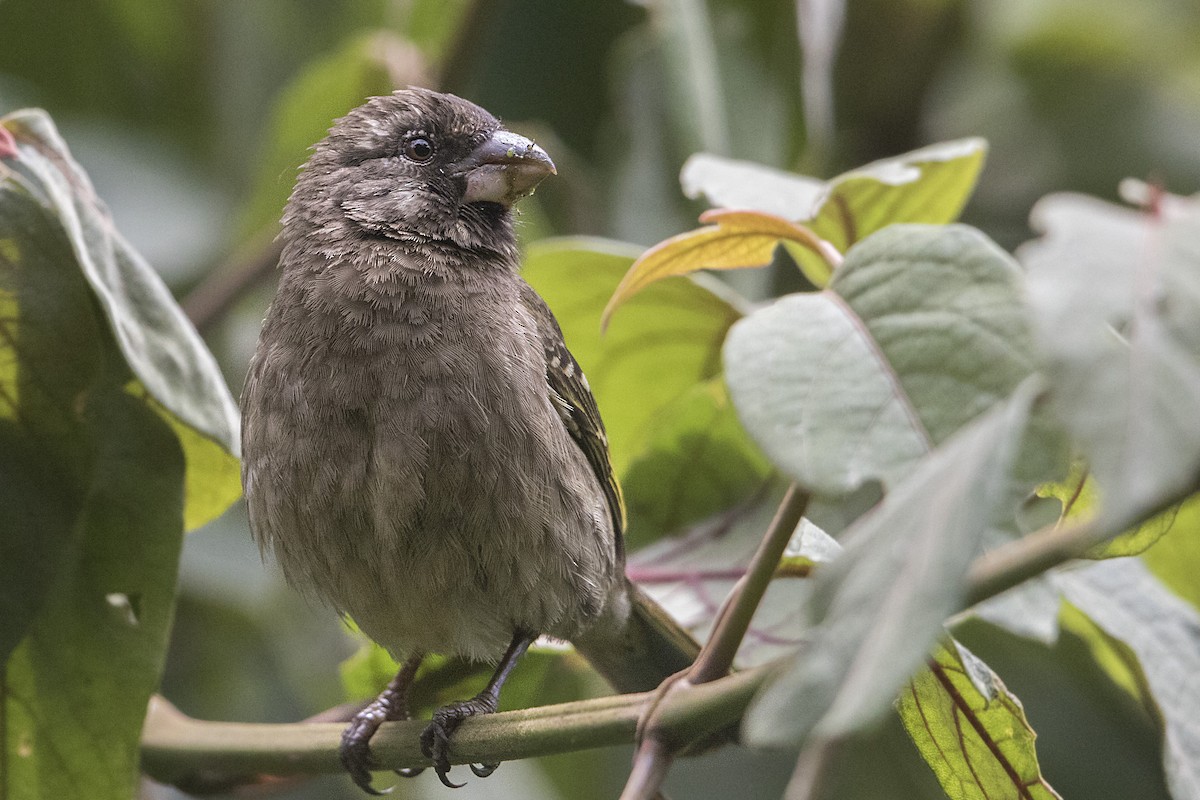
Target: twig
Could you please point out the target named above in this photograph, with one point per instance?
(1011, 564)
(733, 620)
(656, 750)
(650, 767)
(813, 769)
(220, 289)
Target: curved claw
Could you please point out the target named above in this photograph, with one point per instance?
(484, 770)
(435, 744)
(355, 751)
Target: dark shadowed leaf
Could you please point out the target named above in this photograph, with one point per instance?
(878, 609)
(76, 687)
(1116, 296)
(159, 345)
(921, 330)
(971, 729)
(116, 432)
(1163, 632)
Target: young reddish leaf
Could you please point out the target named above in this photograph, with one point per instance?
(737, 240)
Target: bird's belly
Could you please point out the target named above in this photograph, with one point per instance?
(442, 523)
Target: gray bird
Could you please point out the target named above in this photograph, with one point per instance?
(420, 450)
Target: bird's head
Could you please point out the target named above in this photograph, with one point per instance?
(418, 164)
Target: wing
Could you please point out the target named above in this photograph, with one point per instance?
(571, 395)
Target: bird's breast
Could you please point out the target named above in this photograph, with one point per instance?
(410, 470)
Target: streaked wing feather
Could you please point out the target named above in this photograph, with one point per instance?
(577, 407)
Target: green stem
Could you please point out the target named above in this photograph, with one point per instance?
(733, 620)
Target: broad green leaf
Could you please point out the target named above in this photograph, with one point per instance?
(1175, 558)
(51, 354)
(690, 574)
(921, 330)
(971, 729)
(162, 349)
(1118, 662)
(930, 185)
(878, 609)
(368, 65)
(75, 689)
(1125, 364)
(1163, 632)
(736, 240)
(110, 408)
(665, 341)
(699, 461)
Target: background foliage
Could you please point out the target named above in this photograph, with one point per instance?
(191, 115)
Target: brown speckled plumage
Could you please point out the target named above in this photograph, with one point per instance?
(420, 450)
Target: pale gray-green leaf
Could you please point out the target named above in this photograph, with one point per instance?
(922, 329)
(730, 183)
(161, 346)
(1116, 299)
(878, 609)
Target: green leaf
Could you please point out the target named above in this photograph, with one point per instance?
(51, 352)
(921, 330)
(664, 342)
(1125, 365)
(75, 689)
(110, 407)
(878, 609)
(1175, 558)
(1163, 632)
(699, 461)
(371, 64)
(156, 341)
(971, 730)
(930, 185)
(1078, 495)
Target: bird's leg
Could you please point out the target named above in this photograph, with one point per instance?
(435, 739)
(391, 705)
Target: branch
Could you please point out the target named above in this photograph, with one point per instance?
(220, 289)
(658, 743)
(1015, 562)
(206, 756)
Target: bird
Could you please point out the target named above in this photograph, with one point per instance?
(421, 451)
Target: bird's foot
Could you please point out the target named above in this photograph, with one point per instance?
(391, 705)
(355, 749)
(435, 739)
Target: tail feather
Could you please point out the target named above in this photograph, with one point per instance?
(637, 645)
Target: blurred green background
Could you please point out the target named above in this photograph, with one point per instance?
(191, 116)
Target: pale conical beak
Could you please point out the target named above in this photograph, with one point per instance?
(504, 169)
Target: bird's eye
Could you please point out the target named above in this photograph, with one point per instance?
(418, 149)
